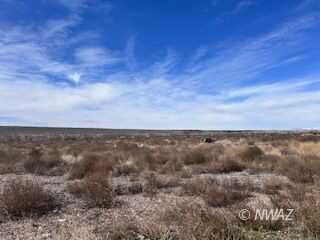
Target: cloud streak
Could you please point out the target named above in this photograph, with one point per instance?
(100, 87)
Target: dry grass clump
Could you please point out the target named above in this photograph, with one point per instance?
(308, 213)
(226, 164)
(193, 156)
(186, 172)
(298, 192)
(91, 164)
(251, 153)
(39, 162)
(24, 198)
(165, 181)
(8, 160)
(269, 162)
(196, 187)
(127, 230)
(9, 156)
(193, 221)
(132, 188)
(153, 182)
(300, 169)
(218, 196)
(125, 169)
(213, 194)
(263, 225)
(171, 167)
(95, 190)
(272, 186)
(307, 208)
(142, 158)
(150, 185)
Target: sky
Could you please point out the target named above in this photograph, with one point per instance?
(169, 64)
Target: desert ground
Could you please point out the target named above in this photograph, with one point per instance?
(158, 185)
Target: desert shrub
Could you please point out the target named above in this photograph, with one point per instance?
(7, 168)
(91, 164)
(22, 198)
(171, 167)
(195, 187)
(96, 191)
(155, 231)
(287, 151)
(9, 156)
(125, 169)
(33, 164)
(8, 160)
(164, 155)
(251, 153)
(313, 163)
(213, 194)
(193, 156)
(39, 162)
(298, 192)
(142, 158)
(164, 181)
(132, 188)
(204, 168)
(226, 165)
(128, 231)
(150, 185)
(186, 173)
(270, 162)
(308, 213)
(272, 186)
(218, 149)
(218, 196)
(296, 170)
(193, 221)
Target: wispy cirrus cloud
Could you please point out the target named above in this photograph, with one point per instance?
(238, 64)
(242, 5)
(212, 91)
(97, 56)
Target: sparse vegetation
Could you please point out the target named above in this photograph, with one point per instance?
(172, 189)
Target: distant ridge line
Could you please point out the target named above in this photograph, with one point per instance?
(30, 130)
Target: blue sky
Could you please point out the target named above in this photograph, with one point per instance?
(169, 64)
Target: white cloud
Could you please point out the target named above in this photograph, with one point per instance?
(75, 77)
(153, 97)
(96, 56)
(159, 104)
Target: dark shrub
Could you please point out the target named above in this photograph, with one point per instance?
(42, 163)
(96, 191)
(150, 186)
(131, 188)
(26, 198)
